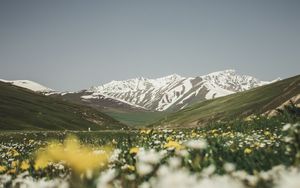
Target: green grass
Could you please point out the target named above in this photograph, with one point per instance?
(21, 109)
(255, 101)
(137, 119)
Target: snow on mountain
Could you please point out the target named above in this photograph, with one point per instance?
(174, 91)
(29, 85)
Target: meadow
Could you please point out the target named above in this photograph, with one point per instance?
(254, 152)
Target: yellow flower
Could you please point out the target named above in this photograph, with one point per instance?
(41, 162)
(12, 171)
(173, 144)
(145, 131)
(2, 169)
(25, 165)
(80, 158)
(13, 153)
(214, 131)
(134, 150)
(14, 164)
(248, 151)
(130, 167)
(194, 134)
(267, 133)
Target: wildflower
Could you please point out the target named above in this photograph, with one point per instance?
(106, 178)
(14, 164)
(128, 167)
(41, 162)
(80, 158)
(143, 168)
(193, 134)
(12, 171)
(25, 165)
(267, 133)
(13, 153)
(286, 127)
(150, 157)
(173, 145)
(197, 144)
(248, 151)
(145, 131)
(134, 150)
(229, 167)
(2, 169)
(174, 162)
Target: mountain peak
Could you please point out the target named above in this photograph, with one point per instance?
(28, 85)
(174, 76)
(227, 71)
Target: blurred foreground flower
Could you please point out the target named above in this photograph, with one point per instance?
(134, 150)
(173, 145)
(81, 158)
(197, 144)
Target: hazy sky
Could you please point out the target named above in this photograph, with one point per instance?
(71, 45)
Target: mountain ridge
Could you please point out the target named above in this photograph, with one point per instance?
(174, 91)
(169, 93)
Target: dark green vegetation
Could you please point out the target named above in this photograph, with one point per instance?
(21, 109)
(239, 105)
(227, 142)
(137, 119)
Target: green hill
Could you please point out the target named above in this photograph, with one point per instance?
(22, 109)
(239, 105)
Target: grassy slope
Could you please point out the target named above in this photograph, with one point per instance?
(255, 101)
(21, 109)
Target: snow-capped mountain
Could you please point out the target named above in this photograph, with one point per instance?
(29, 85)
(174, 91)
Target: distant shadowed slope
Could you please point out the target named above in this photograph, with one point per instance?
(22, 109)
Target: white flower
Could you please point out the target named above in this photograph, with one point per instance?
(229, 167)
(208, 171)
(174, 162)
(105, 178)
(286, 127)
(220, 181)
(197, 144)
(150, 157)
(175, 179)
(143, 168)
(289, 179)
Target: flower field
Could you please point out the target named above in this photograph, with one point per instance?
(256, 153)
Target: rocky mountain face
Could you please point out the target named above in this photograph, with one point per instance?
(174, 92)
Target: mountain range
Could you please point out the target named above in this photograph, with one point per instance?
(170, 93)
(171, 101)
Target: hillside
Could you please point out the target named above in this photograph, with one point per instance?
(255, 101)
(22, 109)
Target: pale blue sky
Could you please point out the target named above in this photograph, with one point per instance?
(71, 45)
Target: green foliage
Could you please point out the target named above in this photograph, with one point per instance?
(21, 109)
